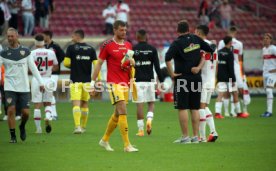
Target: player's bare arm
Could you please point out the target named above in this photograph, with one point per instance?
(196, 69)
(95, 74)
(170, 70)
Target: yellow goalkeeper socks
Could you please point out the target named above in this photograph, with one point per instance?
(112, 124)
(84, 117)
(124, 129)
(76, 115)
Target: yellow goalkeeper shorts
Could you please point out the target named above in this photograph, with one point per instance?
(80, 91)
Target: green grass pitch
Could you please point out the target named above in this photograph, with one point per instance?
(243, 144)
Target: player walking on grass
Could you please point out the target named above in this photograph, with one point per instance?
(46, 62)
(79, 58)
(269, 72)
(50, 44)
(185, 51)
(226, 76)
(208, 74)
(17, 60)
(118, 78)
(145, 57)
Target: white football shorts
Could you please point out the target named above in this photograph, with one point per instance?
(226, 86)
(145, 92)
(37, 95)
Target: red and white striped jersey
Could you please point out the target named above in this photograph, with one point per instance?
(44, 59)
(208, 71)
(237, 48)
(269, 56)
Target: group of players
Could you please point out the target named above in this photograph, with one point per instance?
(126, 65)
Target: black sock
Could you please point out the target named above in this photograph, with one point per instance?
(24, 120)
(12, 132)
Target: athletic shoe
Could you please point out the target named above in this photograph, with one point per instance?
(77, 130)
(5, 118)
(13, 140)
(38, 131)
(202, 140)
(226, 114)
(218, 116)
(17, 118)
(242, 115)
(105, 145)
(194, 140)
(140, 133)
(213, 137)
(183, 140)
(54, 118)
(22, 132)
(149, 126)
(233, 115)
(130, 149)
(266, 115)
(48, 127)
(83, 130)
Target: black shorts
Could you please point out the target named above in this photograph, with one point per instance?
(187, 91)
(23, 99)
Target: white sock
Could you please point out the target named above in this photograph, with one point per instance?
(150, 116)
(54, 110)
(202, 124)
(210, 120)
(140, 124)
(244, 107)
(237, 107)
(48, 113)
(218, 107)
(232, 105)
(37, 118)
(269, 99)
(226, 105)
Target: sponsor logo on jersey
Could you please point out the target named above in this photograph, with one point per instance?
(122, 48)
(145, 52)
(78, 57)
(221, 62)
(139, 63)
(191, 47)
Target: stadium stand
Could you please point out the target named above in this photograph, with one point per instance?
(158, 17)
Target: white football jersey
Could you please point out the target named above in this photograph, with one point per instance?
(269, 56)
(237, 48)
(16, 62)
(122, 11)
(208, 71)
(44, 59)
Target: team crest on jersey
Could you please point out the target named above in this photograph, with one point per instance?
(22, 52)
(77, 47)
(9, 100)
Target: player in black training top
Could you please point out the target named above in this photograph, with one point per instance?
(50, 44)
(145, 56)
(79, 58)
(185, 51)
(226, 77)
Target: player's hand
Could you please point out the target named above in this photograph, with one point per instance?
(42, 88)
(175, 75)
(195, 70)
